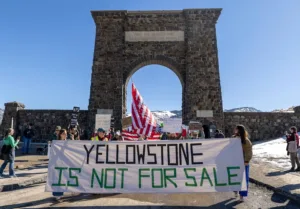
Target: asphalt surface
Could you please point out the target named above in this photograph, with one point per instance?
(35, 197)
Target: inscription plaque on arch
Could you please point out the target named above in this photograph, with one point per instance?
(136, 36)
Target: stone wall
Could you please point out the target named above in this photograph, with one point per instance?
(261, 125)
(44, 121)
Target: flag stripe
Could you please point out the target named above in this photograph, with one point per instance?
(129, 136)
(142, 118)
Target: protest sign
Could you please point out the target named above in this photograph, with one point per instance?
(74, 116)
(146, 166)
(126, 122)
(103, 121)
(172, 125)
(194, 126)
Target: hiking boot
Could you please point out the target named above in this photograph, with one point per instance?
(242, 199)
(13, 176)
(298, 169)
(292, 170)
(236, 194)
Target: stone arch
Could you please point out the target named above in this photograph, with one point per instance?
(151, 60)
(182, 40)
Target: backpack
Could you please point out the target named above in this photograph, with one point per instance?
(5, 150)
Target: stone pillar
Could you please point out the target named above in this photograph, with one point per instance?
(108, 63)
(202, 84)
(10, 111)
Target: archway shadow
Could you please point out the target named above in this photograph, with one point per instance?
(277, 173)
(277, 198)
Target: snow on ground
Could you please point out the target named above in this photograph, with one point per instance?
(273, 152)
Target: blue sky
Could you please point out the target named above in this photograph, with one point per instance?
(46, 52)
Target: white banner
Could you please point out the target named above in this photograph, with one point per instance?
(172, 125)
(103, 121)
(146, 166)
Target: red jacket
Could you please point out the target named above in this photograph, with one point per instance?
(292, 137)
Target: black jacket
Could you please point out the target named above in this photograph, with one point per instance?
(28, 133)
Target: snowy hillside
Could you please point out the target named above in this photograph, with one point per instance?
(291, 110)
(243, 109)
(161, 115)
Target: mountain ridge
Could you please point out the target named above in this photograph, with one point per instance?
(160, 115)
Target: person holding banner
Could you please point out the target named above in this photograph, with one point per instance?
(241, 133)
(100, 135)
(62, 135)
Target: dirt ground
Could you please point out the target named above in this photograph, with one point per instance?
(25, 161)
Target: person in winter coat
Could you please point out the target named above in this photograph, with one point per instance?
(111, 134)
(73, 133)
(201, 133)
(62, 135)
(8, 152)
(27, 137)
(292, 148)
(219, 134)
(100, 135)
(117, 136)
(241, 133)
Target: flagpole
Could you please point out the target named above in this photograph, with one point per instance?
(131, 79)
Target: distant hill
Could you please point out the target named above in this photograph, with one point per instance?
(291, 109)
(243, 109)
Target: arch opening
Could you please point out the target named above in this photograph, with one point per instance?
(161, 88)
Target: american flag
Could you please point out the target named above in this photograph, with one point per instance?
(143, 122)
(134, 136)
(154, 136)
(130, 136)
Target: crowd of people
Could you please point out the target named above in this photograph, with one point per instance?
(73, 133)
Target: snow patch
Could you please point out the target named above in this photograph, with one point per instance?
(273, 152)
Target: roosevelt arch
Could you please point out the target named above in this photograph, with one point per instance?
(181, 40)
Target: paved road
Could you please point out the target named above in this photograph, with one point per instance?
(35, 197)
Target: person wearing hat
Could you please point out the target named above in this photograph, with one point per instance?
(100, 135)
(55, 134)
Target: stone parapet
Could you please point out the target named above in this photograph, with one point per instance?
(261, 125)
